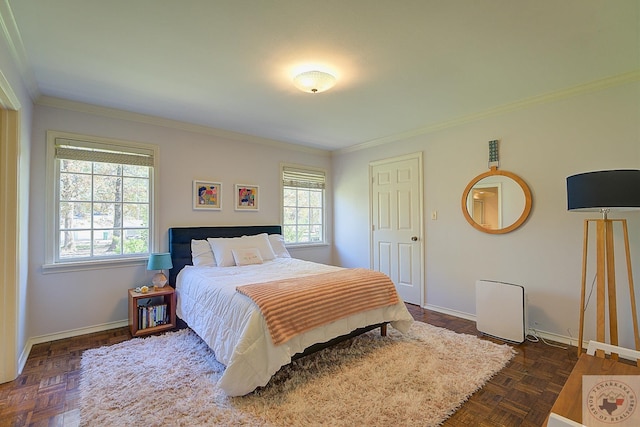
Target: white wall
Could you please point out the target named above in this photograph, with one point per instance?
(543, 144)
(61, 303)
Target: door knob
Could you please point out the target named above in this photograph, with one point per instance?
(414, 238)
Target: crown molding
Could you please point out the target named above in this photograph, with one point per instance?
(16, 47)
(8, 98)
(593, 86)
(115, 113)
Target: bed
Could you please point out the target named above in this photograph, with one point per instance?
(231, 323)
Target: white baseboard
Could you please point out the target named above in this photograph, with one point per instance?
(24, 356)
(65, 334)
(554, 337)
(122, 323)
(531, 332)
(455, 313)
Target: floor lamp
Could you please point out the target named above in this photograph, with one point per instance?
(605, 191)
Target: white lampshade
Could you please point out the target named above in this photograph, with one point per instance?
(314, 81)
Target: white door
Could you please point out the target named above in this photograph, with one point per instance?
(396, 215)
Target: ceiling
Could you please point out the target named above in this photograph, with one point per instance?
(401, 66)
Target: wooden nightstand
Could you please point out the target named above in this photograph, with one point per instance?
(154, 311)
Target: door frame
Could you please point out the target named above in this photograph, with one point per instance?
(9, 231)
(421, 237)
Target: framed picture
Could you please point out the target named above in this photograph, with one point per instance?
(247, 197)
(207, 195)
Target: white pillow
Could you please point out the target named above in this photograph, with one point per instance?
(201, 254)
(246, 256)
(277, 243)
(222, 247)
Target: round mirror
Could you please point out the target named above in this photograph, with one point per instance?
(496, 202)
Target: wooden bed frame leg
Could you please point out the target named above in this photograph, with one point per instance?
(383, 330)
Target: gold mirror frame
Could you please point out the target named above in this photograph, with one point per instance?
(495, 172)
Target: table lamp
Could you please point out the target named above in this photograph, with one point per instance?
(159, 262)
(603, 192)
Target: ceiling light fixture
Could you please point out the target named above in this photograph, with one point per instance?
(314, 81)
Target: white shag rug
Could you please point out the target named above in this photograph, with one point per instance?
(170, 380)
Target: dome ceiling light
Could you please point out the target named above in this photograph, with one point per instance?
(314, 81)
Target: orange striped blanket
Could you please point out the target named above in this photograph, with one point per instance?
(293, 306)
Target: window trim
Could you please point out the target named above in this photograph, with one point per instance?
(51, 217)
(303, 168)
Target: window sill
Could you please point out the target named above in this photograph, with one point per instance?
(306, 245)
(64, 267)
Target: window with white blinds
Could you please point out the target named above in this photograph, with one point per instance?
(303, 205)
(102, 199)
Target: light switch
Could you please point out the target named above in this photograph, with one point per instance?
(434, 215)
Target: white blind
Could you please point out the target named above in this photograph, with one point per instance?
(95, 152)
(300, 178)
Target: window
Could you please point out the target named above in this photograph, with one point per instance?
(102, 203)
(303, 205)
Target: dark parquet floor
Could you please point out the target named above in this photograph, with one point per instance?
(522, 394)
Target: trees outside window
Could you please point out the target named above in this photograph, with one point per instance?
(303, 205)
(103, 200)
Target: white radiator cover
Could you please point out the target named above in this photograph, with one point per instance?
(500, 310)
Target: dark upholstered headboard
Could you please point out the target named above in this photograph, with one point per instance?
(180, 241)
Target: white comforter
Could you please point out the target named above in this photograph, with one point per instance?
(232, 325)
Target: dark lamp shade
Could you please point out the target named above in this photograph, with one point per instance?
(611, 189)
(159, 262)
